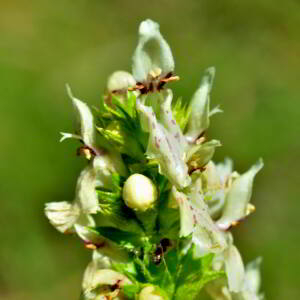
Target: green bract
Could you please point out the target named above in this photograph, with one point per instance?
(151, 205)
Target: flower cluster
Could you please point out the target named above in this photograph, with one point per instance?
(151, 205)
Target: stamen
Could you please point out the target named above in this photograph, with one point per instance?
(172, 78)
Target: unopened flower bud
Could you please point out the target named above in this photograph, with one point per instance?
(149, 293)
(139, 192)
(120, 80)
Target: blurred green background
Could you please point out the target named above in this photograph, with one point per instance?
(255, 47)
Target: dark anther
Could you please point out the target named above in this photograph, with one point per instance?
(169, 75)
(158, 255)
(115, 286)
(165, 243)
(153, 84)
(160, 85)
(151, 87)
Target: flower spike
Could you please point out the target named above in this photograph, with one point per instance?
(151, 205)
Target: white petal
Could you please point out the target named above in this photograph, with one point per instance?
(62, 215)
(97, 174)
(218, 290)
(199, 155)
(99, 262)
(186, 215)
(163, 147)
(89, 235)
(167, 119)
(104, 165)
(108, 277)
(234, 268)
(199, 117)
(238, 197)
(85, 220)
(104, 278)
(224, 170)
(212, 178)
(215, 201)
(207, 236)
(85, 119)
(253, 277)
(108, 163)
(152, 52)
(246, 295)
(86, 193)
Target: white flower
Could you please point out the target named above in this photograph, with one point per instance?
(85, 120)
(198, 155)
(166, 144)
(195, 220)
(103, 284)
(217, 180)
(63, 215)
(99, 280)
(237, 199)
(153, 56)
(139, 192)
(200, 108)
(247, 284)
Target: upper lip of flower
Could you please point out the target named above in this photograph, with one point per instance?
(153, 63)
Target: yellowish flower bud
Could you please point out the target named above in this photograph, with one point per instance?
(120, 80)
(149, 293)
(139, 192)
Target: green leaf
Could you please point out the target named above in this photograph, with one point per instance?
(112, 206)
(164, 274)
(128, 269)
(117, 182)
(122, 139)
(125, 239)
(127, 109)
(131, 290)
(169, 217)
(194, 273)
(148, 219)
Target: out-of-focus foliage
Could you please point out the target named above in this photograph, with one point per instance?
(255, 48)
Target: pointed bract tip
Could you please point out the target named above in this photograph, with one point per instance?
(69, 91)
